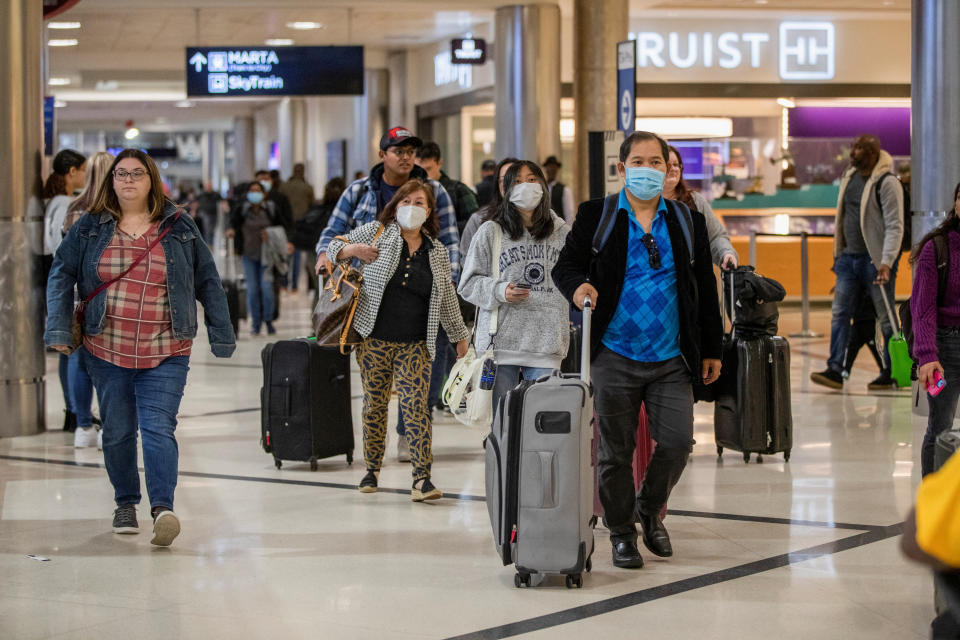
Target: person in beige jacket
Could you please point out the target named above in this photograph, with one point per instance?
(866, 250)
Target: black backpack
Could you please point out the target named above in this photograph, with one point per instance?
(907, 243)
(941, 248)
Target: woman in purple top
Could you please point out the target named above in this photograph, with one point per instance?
(936, 329)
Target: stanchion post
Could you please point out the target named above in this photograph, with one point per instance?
(805, 331)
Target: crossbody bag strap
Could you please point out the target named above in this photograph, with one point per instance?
(941, 253)
(497, 243)
(139, 259)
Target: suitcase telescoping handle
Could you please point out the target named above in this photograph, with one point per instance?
(727, 274)
(585, 341)
(886, 302)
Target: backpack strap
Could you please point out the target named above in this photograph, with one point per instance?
(941, 250)
(685, 218)
(878, 184)
(605, 228)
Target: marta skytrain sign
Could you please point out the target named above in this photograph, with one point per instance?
(276, 71)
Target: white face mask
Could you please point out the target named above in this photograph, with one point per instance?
(526, 195)
(411, 216)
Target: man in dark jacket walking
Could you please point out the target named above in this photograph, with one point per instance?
(656, 325)
(464, 199)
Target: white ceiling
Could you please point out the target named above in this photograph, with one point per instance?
(140, 47)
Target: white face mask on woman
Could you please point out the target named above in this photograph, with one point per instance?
(526, 195)
(411, 216)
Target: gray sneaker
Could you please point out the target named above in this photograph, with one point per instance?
(403, 449)
(166, 527)
(125, 519)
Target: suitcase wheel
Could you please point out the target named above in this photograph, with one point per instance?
(719, 451)
(786, 455)
(589, 565)
(349, 457)
(521, 580)
(277, 463)
(746, 457)
(313, 463)
(574, 581)
(759, 459)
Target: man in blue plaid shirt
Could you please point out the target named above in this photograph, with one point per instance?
(363, 200)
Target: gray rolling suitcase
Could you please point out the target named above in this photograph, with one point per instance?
(538, 476)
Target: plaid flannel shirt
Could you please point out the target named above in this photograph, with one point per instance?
(358, 206)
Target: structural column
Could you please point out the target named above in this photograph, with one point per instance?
(243, 144)
(935, 139)
(527, 90)
(22, 364)
(597, 26)
(373, 108)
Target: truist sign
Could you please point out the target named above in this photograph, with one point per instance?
(796, 50)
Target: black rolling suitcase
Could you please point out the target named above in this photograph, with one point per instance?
(752, 413)
(305, 402)
(235, 288)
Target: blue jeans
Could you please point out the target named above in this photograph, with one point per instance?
(148, 399)
(63, 368)
(81, 390)
(295, 269)
(443, 359)
(509, 376)
(943, 406)
(855, 276)
(259, 293)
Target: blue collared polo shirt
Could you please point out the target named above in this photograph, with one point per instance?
(646, 325)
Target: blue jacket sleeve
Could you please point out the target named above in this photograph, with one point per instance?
(341, 220)
(60, 286)
(208, 289)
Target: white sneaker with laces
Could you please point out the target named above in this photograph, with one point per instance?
(84, 438)
(166, 527)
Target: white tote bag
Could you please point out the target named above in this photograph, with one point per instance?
(462, 393)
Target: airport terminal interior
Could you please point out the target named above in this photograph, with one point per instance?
(766, 103)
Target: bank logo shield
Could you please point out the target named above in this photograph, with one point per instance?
(807, 50)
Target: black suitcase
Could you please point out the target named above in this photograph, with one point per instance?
(947, 443)
(305, 402)
(752, 412)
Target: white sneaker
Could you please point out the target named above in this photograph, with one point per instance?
(84, 438)
(99, 439)
(403, 449)
(166, 527)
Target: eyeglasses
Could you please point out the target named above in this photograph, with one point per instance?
(407, 152)
(653, 252)
(122, 175)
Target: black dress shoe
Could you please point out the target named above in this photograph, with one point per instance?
(626, 555)
(655, 535)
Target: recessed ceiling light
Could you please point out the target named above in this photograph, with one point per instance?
(58, 82)
(184, 104)
(59, 104)
(67, 42)
(786, 102)
(278, 42)
(305, 26)
(63, 25)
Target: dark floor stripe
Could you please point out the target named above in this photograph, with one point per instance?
(217, 413)
(460, 496)
(617, 603)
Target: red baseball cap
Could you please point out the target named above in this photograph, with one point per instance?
(397, 136)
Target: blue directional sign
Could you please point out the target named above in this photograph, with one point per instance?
(626, 85)
(274, 71)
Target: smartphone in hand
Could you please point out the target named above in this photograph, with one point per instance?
(522, 285)
(937, 385)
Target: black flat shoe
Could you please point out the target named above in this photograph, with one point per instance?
(426, 492)
(626, 555)
(655, 535)
(369, 483)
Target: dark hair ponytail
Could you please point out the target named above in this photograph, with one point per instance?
(65, 160)
(952, 223)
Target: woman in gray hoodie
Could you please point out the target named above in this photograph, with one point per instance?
(533, 328)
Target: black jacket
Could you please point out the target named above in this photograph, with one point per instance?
(239, 213)
(701, 328)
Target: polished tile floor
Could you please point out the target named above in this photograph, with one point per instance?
(800, 550)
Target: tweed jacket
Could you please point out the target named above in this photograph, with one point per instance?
(444, 307)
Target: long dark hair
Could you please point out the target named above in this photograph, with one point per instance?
(681, 192)
(952, 223)
(65, 160)
(491, 209)
(107, 201)
(333, 190)
(508, 216)
(389, 214)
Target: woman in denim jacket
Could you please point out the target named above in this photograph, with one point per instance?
(138, 332)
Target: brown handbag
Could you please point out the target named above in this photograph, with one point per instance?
(335, 311)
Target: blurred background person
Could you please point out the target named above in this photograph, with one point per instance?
(488, 182)
(300, 194)
(485, 213)
(561, 196)
(306, 232)
(206, 209)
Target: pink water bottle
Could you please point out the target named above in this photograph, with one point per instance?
(937, 385)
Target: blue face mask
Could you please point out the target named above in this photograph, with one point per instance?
(266, 184)
(645, 183)
(254, 197)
